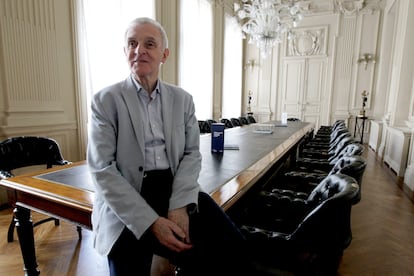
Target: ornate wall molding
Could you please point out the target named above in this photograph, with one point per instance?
(30, 54)
(350, 7)
(355, 7)
(308, 42)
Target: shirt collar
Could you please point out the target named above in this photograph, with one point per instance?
(139, 88)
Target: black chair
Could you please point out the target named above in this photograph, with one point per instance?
(25, 151)
(311, 235)
(243, 120)
(227, 123)
(204, 127)
(236, 122)
(326, 165)
(328, 139)
(327, 145)
(326, 129)
(313, 147)
(304, 182)
(328, 154)
(251, 119)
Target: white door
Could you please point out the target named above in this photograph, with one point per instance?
(303, 89)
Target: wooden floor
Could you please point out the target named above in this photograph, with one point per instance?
(382, 224)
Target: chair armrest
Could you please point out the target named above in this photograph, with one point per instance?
(315, 153)
(274, 211)
(63, 162)
(5, 174)
(314, 164)
(294, 196)
(259, 234)
(304, 177)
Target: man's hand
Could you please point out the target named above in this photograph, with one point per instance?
(180, 217)
(173, 232)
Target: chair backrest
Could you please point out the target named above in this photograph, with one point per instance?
(334, 153)
(251, 119)
(24, 151)
(327, 227)
(211, 121)
(235, 122)
(350, 150)
(204, 127)
(227, 123)
(338, 123)
(243, 120)
(338, 139)
(353, 166)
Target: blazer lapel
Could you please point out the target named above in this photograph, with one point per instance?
(130, 97)
(167, 102)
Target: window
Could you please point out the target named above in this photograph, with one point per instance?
(196, 54)
(232, 69)
(105, 24)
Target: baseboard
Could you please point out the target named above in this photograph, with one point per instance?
(408, 192)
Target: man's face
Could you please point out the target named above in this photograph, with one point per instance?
(144, 51)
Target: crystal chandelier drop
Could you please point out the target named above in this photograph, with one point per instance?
(266, 21)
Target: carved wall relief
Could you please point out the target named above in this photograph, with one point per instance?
(308, 42)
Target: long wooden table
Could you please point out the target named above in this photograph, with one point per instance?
(67, 192)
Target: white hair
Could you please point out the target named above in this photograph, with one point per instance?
(147, 20)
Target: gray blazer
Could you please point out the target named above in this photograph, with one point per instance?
(116, 158)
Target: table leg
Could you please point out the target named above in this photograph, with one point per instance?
(355, 127)
(24, 227)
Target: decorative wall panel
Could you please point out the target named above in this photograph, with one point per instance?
(30, 51)
(396, 149)
(375, 135)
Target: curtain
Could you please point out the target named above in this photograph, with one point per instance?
(196, 54)
(232, 69)
(104, 26)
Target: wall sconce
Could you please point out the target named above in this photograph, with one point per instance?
(365, 59)
(250, 64)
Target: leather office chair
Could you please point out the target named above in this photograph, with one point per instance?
(328, 141)
(204, 127)
(326, 129)
(297, 181)
(211, 121)
(227, 123)
(251, 119)
(329, 153)
(310, 237)
(243, 120)
(328, 145)
(326, 165)
(236, 122)
(200, 126)
(25, 151)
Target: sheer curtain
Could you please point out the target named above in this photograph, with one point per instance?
(232, 69)
(196, 54)
(104, 26)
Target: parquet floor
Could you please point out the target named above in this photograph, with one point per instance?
(382, 223)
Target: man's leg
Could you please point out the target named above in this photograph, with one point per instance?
(219, 246)
(129, 256)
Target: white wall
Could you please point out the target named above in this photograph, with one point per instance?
(37, 78)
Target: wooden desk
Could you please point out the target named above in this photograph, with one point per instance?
(67, 192)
